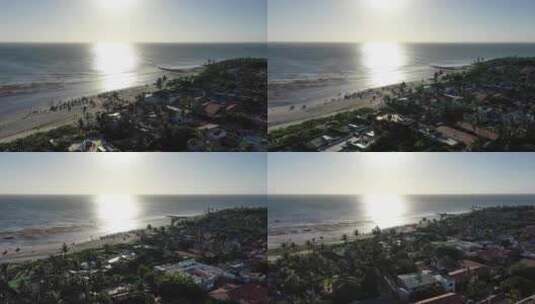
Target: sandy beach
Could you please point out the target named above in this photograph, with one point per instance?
(284, 116)
(42, 252)
(26, 123)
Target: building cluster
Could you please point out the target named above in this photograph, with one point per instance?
(469, 110)
(479, 257)
(229, 282)
(218, 254)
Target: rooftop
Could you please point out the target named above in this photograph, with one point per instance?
(448, 298)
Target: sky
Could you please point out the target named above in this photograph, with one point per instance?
(401, 20)
(401, 173)
(133, 173)
(133, 20)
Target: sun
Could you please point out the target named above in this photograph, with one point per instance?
(380, 4)
(385, 5)
(116, 4)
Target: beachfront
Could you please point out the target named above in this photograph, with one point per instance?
(284, 116)
(485, 107)
(220, 107)
(479, 256)
(204, 259)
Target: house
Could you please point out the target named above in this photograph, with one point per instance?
(119, 294)
(250, 294)
(90, 145)
(447, 283)
(212, 109)
(467, 270)
(319, 143)
(396, 118)
(448, 298)
(457, 135)
(413, 283)
(223, 293)
(361, 142)
(481, 132)
(203, 275)
(178, 115)
(494, 254)
(157, 97)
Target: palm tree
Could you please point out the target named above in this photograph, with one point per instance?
(64, 249)
(159, 83)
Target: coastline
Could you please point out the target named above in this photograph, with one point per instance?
(45, 251)
(281, 117)
(284, 116)
(29, 122)
(335, 236)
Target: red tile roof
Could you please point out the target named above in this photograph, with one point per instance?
(457, 135)
(250, 294)
(212, 109)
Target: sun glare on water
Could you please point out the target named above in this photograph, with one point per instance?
(385, 210)
(116, 63)
(117, 213)
(384, 61)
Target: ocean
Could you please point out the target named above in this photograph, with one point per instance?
(36, 75)
(311, 73)
(301, 218)
(27, 221)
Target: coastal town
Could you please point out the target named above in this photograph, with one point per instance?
(217, 257)
(221, 107)
(486, 256)
(487, 106)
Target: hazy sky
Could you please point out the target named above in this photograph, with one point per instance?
(402, 20)
(133, 173)
(401, 173)
(133, 20)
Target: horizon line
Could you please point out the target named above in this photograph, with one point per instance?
(264, 194)
(401, 42)
(400, 194)
(134, 42)
(133, 194)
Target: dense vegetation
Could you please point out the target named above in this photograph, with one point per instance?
(495, 99)
(59, 279)
(364, 267)
(139, 125)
